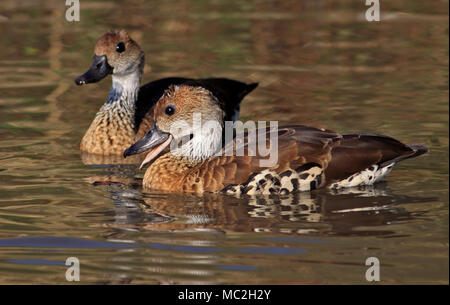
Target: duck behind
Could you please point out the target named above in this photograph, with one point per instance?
(308, 158)
(127, 113)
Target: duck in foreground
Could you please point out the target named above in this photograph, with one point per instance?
(307, 158)
(128, 111)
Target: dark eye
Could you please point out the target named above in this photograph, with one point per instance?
(120, 47)
(170, 110)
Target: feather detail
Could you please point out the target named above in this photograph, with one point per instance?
(308, 159)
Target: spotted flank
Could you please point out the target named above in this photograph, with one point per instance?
(368, 176)
(305, 178)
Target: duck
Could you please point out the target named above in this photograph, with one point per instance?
(308, 158)
(128, 111)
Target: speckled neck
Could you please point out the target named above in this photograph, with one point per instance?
(121, 102)
(113, 128)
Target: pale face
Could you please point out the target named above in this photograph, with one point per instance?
(189, 119)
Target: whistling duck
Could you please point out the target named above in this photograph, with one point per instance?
(308, 158)
(127, 113)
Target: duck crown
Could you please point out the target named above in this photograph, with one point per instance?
(122, 53)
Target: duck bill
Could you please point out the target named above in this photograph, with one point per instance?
(154, 140)
(98, 71)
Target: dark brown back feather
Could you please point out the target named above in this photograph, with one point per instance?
(358, 152)
(339, 155)
(297, 145)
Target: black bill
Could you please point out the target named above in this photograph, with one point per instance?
(98, 70)
(152, 138)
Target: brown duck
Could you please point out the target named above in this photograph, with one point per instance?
(128, 111)
(308, 158)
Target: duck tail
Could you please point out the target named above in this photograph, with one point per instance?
(248, 88)
(418, 149)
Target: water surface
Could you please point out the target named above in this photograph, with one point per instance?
(318, 63)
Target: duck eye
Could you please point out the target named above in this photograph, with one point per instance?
(170, 110)
(120, 47)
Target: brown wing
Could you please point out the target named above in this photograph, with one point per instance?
(338, 156)
(357, 152)
(297, 145)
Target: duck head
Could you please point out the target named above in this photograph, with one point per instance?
(115, 53)
(189, 119)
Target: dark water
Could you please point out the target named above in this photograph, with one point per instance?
(318, 63)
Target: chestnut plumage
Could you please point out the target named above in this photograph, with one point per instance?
(128, 111)
(307, 158)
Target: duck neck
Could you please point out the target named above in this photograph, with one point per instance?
(113, 128)
(121, 103)
(124, 91)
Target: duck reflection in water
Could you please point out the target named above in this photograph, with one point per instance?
(313, 213)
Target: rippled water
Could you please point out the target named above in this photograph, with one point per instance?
(318, 63)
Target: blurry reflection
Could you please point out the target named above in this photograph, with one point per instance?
(301, 213)
(172, 258)
(322, 212)
(92, 159)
